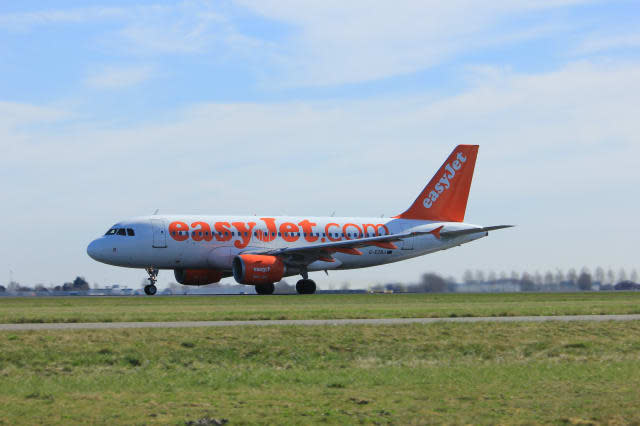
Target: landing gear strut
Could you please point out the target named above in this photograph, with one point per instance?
(151, 288)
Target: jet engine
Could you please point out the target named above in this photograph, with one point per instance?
(198, 276)
(258, 269)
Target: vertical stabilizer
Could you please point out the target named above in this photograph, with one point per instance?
(445, 196)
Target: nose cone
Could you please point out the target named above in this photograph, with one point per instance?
(94, 250)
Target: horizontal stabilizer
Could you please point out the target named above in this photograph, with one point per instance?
(451, 234)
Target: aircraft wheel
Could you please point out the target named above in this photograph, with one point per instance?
(306, 287)
(265, 288)
(150, 290)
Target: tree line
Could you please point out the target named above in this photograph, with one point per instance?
(79, 284)
(431, 282)
(491, 281)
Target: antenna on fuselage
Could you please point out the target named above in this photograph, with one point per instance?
(333, 214)
(156, 212)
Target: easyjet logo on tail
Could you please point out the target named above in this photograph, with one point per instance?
(445, 196)
(445, 180)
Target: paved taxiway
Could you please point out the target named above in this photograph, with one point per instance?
(382, 321)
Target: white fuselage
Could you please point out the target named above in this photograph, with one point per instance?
(211, 242)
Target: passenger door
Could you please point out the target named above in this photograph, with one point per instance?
(159, 233)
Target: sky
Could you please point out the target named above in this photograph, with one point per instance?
(115, 109)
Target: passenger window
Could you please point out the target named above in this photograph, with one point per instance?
(122, 231)
(130, 232)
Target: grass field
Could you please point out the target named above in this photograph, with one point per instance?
(183, 308)
(412, 374)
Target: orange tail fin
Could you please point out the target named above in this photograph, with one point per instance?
(445, 196)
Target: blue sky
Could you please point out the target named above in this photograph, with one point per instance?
(113, 109)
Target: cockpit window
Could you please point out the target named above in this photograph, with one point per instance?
(121, 231)
(130, 232)
(111, 231)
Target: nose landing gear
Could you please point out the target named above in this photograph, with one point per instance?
(151, 288)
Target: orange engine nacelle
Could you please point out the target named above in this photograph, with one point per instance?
(257, 269)
(197, 276)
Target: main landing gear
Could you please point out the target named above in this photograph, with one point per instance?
(305, 285)
(265, 288)
(151, 288)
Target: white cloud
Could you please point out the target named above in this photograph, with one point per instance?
(337, 42)
(14, 114)
(119, 77)
(183, 27)
(186, 27)
(27, 20)
(603, 43)
(330, 42)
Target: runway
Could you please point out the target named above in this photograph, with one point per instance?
(317, 322)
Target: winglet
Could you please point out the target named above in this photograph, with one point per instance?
(445, 196)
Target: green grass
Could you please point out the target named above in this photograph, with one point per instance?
(183, 308)
(411, 374)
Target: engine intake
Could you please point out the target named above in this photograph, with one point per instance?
(258, 269)
(198, 276)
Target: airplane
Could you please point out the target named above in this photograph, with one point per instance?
(261, 250)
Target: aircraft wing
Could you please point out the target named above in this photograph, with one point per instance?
(302, 256)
